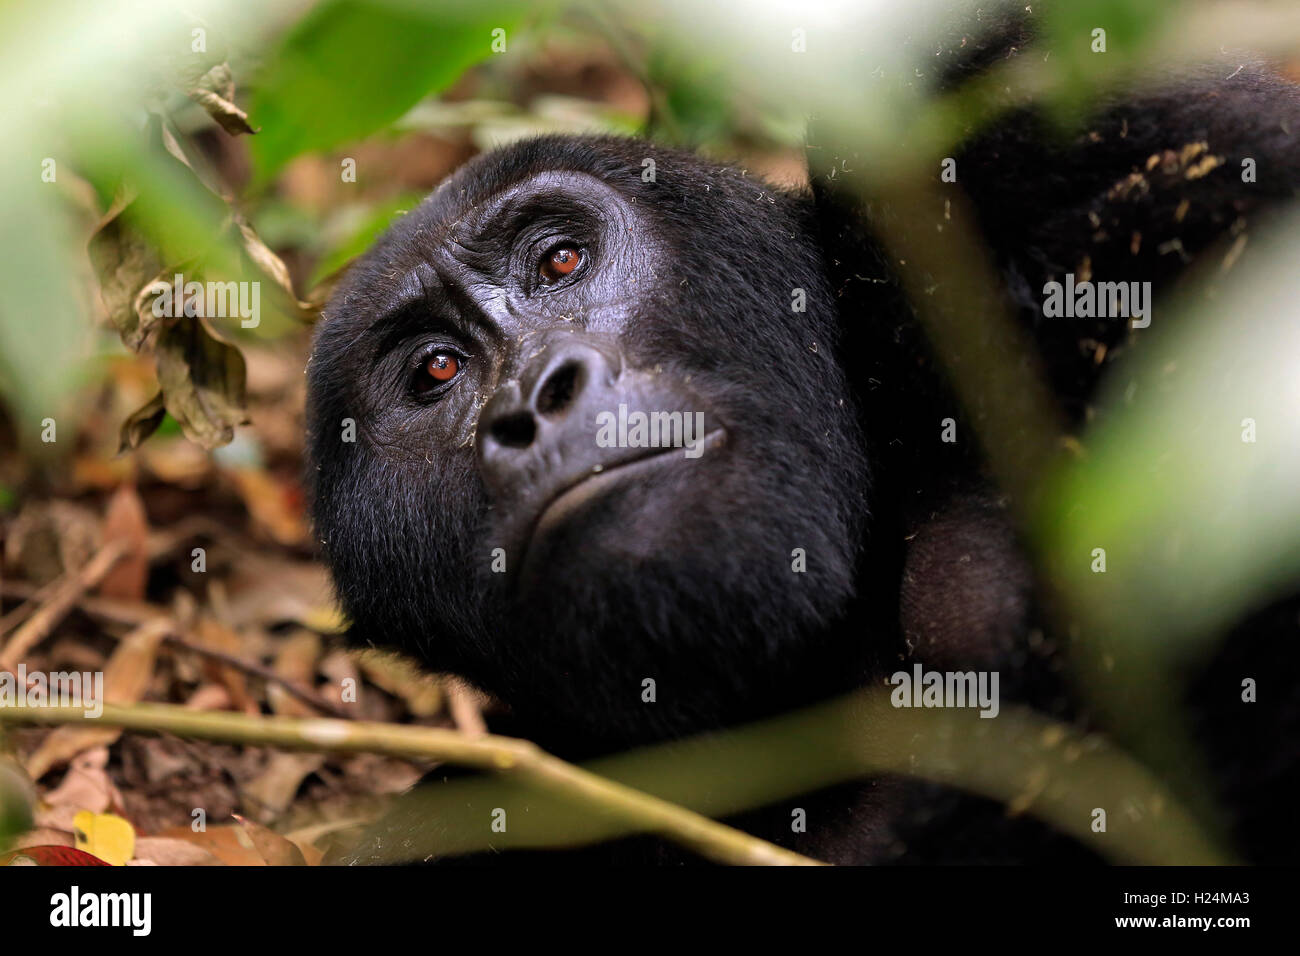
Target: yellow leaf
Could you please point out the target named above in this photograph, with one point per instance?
(104, 835)
(325, 619)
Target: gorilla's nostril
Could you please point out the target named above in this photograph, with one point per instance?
(559, 389)
(514, 431)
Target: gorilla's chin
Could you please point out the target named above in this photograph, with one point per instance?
(567, 530)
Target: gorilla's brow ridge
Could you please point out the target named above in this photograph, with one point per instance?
(410, 290)
(424, 285)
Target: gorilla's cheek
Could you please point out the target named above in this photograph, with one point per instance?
(414, 544)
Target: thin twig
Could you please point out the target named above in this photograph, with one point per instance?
(113, 610)
(37, 627)
(135, 613)
(304, 694)
(32, 597)
(503, 755)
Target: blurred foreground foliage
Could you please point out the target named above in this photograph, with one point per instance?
(122, 123)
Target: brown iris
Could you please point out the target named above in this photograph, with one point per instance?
(559, 262)
(442, 367)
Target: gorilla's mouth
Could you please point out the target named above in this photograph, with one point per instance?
(570, 499)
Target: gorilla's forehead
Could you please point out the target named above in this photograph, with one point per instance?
(468, 200)
(469, 216)
(608, 159)
(659, 223)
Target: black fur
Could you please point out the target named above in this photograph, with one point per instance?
(683, 573)
(692, 278)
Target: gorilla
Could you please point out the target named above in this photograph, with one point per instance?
(646, 447)
(475, 348)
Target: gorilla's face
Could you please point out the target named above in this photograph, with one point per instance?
(598, 427)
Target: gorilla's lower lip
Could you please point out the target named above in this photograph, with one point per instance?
(569, 499)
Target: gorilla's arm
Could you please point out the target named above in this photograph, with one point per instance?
(1163, 184)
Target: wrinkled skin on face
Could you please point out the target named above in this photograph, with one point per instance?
(478, 521)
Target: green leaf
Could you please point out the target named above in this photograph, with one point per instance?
(351, 67)
(360, 238)
(16, 801)
(43, 328)
(1080, 71)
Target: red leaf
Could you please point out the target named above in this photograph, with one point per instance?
(53, 856)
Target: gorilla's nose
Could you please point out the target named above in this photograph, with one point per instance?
(537, 433)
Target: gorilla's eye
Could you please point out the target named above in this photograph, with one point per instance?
(442, 367)
(435, 371)
(558, 263)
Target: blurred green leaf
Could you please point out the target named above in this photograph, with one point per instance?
(42, 327)
(1078, 69)
(695, 105)
(351, 67)
(1198, 523)
(372, 223)
(16, 800)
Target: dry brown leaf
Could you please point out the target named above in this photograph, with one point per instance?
(73, 653)
(124, 520)
(209, 697)
(269, 794)
(86, 785)
(232, 119)
(215, 92)
(126, 678)
(130, 668)
(274, 849)
(125, 264)
(92, 473)
(49, 539)
(267, 591)
(403, 678)
(64, 743)
(210, 632)
(274, 508)
(272, 266)
(176, 461)
(373, 773)
(295, 662)
(231, 843)
(341, 670)
(169, 851)
(202, 379)
(58, 603)
(142, 423)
